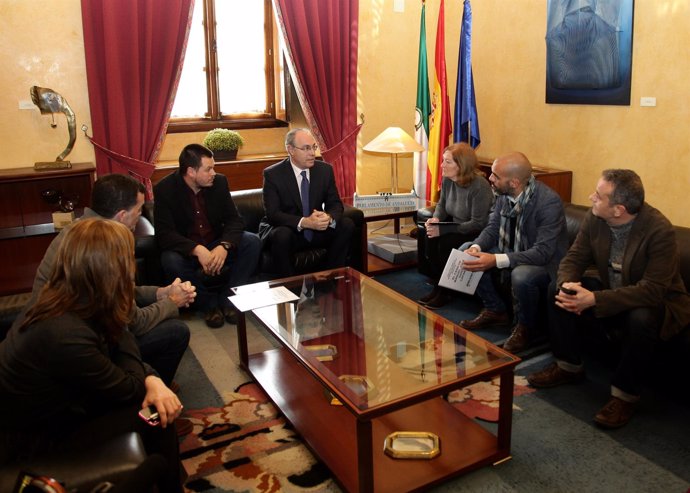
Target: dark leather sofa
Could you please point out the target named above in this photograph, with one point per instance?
(250, 206)
(82, 470)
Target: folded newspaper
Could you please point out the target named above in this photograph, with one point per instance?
(456, 277)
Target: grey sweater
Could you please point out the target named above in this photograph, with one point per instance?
(467, 206)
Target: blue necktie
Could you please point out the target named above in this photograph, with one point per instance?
(306, 212)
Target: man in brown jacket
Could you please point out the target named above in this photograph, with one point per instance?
(638, 288)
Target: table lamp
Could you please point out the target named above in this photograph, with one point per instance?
(393, 141)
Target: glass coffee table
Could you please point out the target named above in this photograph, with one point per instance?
(358, 368)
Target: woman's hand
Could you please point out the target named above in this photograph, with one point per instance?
(432, 229)
(165, 400)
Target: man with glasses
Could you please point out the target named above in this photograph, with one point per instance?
(302, 207)
(637, 289)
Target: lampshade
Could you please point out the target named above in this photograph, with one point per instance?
(393, 140)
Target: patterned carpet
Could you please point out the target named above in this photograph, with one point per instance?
(246, 445)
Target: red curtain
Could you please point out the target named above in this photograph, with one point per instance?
(134, 54)
(321, 40)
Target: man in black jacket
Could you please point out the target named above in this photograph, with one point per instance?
(201, 233)
(303, 208)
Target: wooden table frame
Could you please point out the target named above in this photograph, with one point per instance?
(345, 438)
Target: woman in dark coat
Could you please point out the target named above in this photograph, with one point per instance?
(70, 371)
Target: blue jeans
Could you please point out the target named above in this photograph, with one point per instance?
(527, 283)
(162, 347)
(241, 264)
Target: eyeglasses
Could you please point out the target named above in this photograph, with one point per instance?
(308, 148)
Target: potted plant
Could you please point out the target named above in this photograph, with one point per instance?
(224, 143)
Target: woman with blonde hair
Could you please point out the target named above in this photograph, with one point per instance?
(461, 213)
(70, 371)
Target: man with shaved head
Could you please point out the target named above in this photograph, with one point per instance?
(521, 247)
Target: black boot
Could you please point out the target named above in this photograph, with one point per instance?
(441, 299)
(434, 292)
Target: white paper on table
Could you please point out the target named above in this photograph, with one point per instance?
(257, 299)
(457, 278)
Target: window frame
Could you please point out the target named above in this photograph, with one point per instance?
(213, 117)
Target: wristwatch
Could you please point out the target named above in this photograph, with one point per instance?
(227, 245)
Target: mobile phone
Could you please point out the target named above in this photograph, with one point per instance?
(150, 415)
(568, 290)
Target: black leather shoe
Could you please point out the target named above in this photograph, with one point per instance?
(486, 318)
(427, 298)
(230, 315)
(438, 301)
(214, 318)
(615, 413)
(554, 375)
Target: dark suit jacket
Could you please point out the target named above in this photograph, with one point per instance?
(544, 230)
(651, 268)
(282, 202)
(173, 214)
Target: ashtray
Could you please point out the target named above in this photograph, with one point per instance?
(359, 384)
(323, 352)
(412, 445)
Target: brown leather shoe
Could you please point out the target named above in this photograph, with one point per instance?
(615, 413)
(214, 318)
(230, 315)
(554, 375)
(517, 340)
(486, 318)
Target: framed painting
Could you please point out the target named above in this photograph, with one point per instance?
(589, 51)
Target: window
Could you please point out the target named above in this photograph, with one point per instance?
(233, 74)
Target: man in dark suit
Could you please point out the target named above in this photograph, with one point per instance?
(302, 207)
(638, 288)
(201, 233)
(524, 241)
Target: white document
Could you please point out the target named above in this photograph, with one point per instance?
(257, 299)
(457, 278)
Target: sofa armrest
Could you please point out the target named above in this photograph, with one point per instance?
(423, 214)
(146, 253)
(82, 470)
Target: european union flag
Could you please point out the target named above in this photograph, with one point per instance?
(466, 119)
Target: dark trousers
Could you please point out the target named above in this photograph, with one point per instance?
(435, 251)
(284, 242)
(241, 263)
(162, 347)
(639, 326)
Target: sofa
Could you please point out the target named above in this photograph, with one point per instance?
(250, 206)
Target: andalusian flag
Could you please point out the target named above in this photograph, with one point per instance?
(422, 111)
(440, 126)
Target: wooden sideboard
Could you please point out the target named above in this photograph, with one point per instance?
(559, 180)
(244, 173)
(26, 220)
